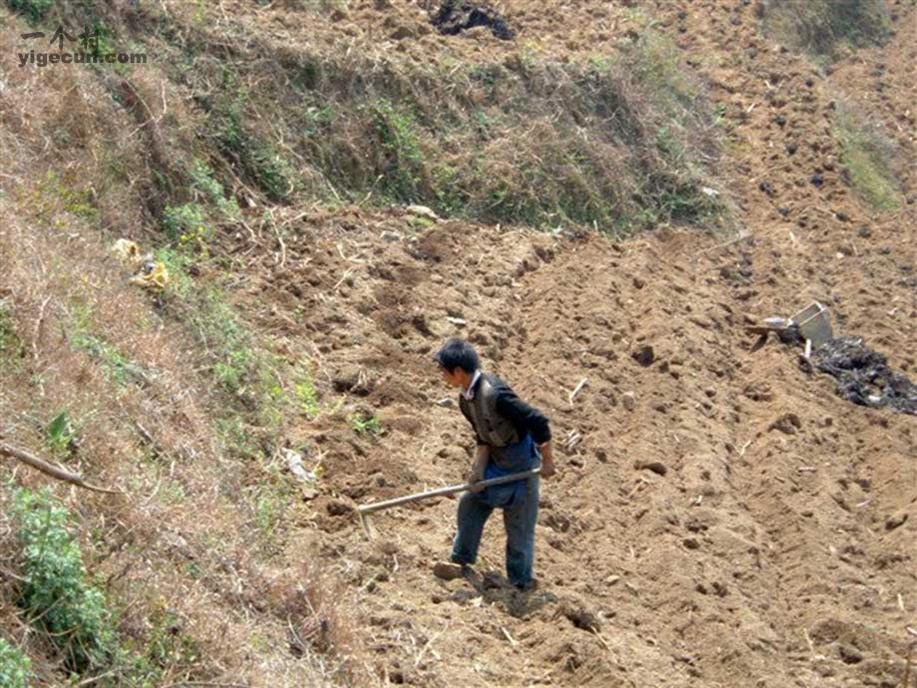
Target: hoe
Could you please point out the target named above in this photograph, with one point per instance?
(364, 511)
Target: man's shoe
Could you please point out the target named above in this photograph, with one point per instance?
(526, 587)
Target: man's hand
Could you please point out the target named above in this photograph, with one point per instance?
(481, 455)
(475, 476)
(547, 460)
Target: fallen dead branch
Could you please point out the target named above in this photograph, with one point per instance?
(49, 469)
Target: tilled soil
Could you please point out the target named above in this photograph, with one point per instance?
(721, 517)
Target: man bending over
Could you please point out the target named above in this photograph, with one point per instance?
(511, 437)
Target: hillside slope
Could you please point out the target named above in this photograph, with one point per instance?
(740, 525)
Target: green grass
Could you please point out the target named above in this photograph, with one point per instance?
(395, 128)
(306, 394)
(260, 161)
(522, 141)
(117, 367)
(866, 155)
(825, 27)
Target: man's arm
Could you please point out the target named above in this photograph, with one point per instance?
(528, 418)
(547, 460)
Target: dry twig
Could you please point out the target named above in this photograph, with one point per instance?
(49, 469)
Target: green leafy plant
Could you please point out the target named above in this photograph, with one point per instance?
(15, 667)
(202, 181)
(306, 394)
(60, 434)
(57, 594)
(365, 424)
(185, 223)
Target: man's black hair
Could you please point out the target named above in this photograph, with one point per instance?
(457, 353)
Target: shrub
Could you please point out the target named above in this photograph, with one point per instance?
(203, 182)
(15, 667)
(185, 223)
(56, 592)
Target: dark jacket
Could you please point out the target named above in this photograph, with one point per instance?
(503, 418)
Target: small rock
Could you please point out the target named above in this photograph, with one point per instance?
(895, 520)
(422, 211)
(655, 466)
(691, 543)
(864, 232)
(842, 216)
(788, 424)
(338, 508)
(401, 33)
(629, 399)
(447, 571)
(391, 236)
(639, 283)
(644, 355)
(849, 654)
(581, 617)
(710, 392)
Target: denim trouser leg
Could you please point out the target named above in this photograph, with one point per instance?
(472, 515)
(519, 521)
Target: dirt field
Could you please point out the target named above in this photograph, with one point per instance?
(721, 518)
(762, 543)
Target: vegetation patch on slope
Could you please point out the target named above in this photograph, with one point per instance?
(825, 27)
(867, 155)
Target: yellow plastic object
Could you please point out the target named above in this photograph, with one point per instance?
(153, 275)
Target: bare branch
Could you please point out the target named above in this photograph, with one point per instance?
(49, 469)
